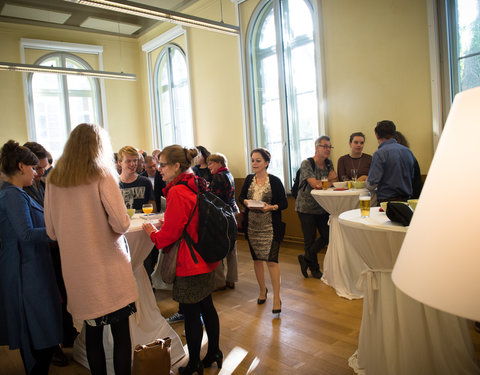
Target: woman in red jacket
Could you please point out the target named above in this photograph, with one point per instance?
(194, 282)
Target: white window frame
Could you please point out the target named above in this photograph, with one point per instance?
(322, 115)
(53, 46)
(148, 48)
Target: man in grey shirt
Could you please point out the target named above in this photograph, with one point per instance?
(312, 216)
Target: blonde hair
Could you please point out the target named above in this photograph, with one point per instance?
(218, 158)
(127, 150)
(87, 156)
(178, 154)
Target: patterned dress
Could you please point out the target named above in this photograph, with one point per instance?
(260, 228)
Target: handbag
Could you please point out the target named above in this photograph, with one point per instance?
(399, 213)
(153, 358)
(168, 267)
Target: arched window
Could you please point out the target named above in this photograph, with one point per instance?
(172, 97)
(58, 103)
(284, 77)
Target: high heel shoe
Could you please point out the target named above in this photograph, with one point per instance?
(209, 359)
(277, 311)
(262, 301)
(191, 369)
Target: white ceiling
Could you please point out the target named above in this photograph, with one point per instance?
(63, 14)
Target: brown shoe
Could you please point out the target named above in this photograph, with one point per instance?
(230, 285)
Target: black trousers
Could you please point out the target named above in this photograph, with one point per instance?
(310, 225)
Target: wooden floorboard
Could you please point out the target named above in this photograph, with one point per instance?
(315, 335)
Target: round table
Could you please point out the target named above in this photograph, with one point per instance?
(399, 335)
(341, 266)
(147, 324)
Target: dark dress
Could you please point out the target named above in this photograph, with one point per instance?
(264, 231)
(30, 310)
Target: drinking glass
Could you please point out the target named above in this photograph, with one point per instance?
(353, 173)
(147, 208)
(324, 182)
(364, 204)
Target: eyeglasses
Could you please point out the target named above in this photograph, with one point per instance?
(163, 165)
(326, 147)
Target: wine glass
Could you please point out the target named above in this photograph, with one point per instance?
(147, 208)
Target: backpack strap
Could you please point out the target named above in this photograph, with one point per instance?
(188, 239)
(303, 183)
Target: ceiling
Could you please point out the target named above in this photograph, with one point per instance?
(67, 15)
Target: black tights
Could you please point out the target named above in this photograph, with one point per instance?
(43, 357)
(194, 330)
(122, 348)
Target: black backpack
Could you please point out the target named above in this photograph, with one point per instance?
(217, 228)
(297, 185)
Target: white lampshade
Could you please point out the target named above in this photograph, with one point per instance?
(439, 262)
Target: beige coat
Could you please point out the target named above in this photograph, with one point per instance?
(89, 221)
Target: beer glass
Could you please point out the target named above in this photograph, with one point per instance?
(364, 204)
(324, 182)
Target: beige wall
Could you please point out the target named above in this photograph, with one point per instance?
(376, 66)
(127, 121)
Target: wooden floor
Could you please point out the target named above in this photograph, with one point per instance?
(316, 333)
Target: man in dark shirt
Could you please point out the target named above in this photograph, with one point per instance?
(392, 168)
(136, 190)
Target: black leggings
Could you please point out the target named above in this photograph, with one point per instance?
(122, 348)
(43, 357)
(194, 330)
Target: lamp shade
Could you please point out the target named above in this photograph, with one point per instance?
(439, 262)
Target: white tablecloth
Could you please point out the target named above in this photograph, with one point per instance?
(148, 323)
(340, 266)
(398, 335)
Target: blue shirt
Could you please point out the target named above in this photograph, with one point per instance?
(392, 170)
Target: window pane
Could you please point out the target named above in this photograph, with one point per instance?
(51, 92)
(298, 73)
(299, 19)
(267, 35)
(173, 93)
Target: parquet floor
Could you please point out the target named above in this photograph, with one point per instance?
(315, 335)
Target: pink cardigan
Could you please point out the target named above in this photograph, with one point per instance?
(89, 221)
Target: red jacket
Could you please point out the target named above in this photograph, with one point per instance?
(180, 203)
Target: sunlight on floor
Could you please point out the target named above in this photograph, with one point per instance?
(232, 360)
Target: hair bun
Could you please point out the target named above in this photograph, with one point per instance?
(190, 153)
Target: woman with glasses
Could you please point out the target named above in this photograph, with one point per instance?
(354, 165)
(264, 198)
(194, 282)
(86, 214)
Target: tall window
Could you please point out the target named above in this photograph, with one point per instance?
(464, 21)
(284, 83)
(172, 97)
(60, 102)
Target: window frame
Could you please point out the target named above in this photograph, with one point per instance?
(149, 48)
(65, 91)
(62, 47)
(166, 53)
(288, 168)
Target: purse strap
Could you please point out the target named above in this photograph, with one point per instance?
(166, 342)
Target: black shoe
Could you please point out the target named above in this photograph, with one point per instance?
(209, 359)
(317, 274)
(59, 358)
(230, 284)
(277, 311)
(191, 369)
(303, 265)
(262, 301)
